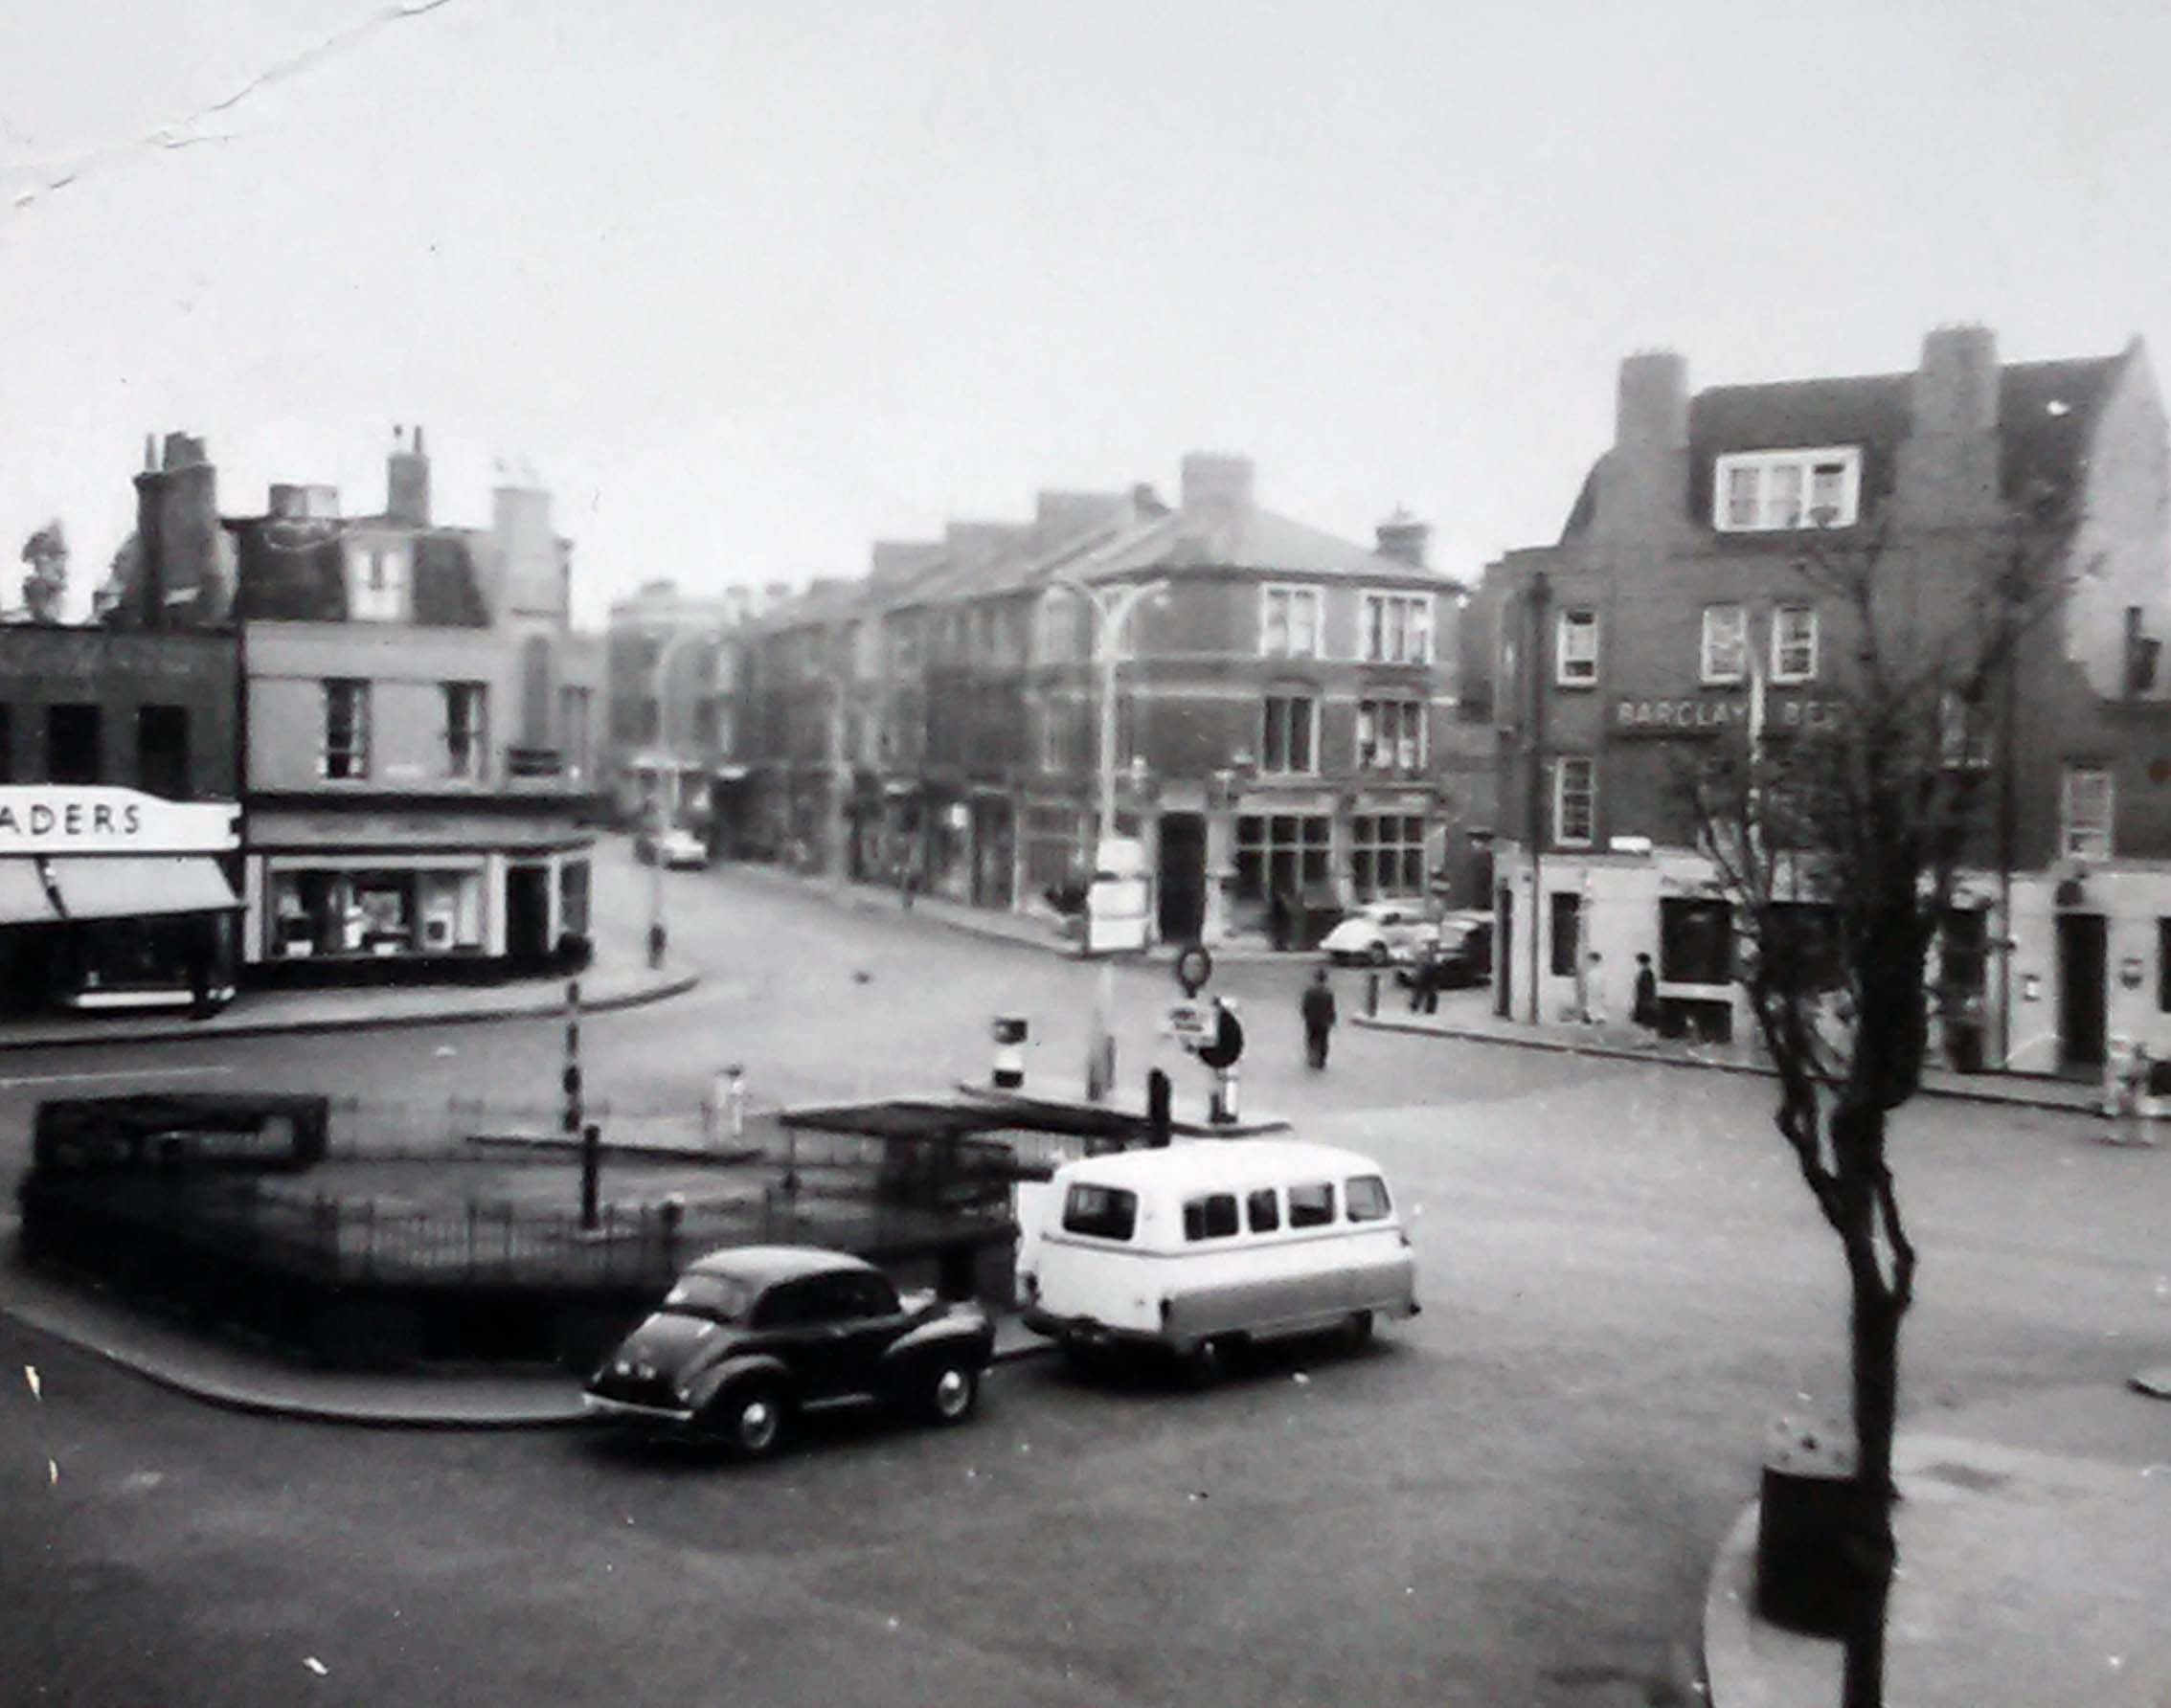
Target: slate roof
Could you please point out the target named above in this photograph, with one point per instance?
(288, 570)
(2039, 447)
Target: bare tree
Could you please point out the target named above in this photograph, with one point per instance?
(1840, 841)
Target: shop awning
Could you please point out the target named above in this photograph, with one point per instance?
(140, 885)
(23, 900)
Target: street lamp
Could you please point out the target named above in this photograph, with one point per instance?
(1112, 604)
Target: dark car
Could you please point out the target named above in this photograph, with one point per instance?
(1463, 954)
(752, 1335)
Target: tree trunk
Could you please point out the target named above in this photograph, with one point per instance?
(1875, 1325)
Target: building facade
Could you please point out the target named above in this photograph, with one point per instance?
(1674, 610)
(1285, 711)
(414, 755)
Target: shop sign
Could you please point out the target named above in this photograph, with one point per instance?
(94, 819)
(1710, 716)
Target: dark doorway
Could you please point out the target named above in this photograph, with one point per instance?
(1503, 911)
(1183, 877)
(2080, 989)
(527, 914)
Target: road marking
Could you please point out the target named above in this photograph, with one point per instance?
(55, 1079)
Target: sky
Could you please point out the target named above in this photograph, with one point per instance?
(750, 286)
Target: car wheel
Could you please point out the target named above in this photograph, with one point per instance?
(753, 1420)
(952, 1390)
(1378, 955)
(1359, 1329)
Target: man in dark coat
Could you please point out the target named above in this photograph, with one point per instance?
(1645, 1012)
(1317, 1007)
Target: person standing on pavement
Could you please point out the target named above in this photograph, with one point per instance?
(1645, 1012)
(1317, 1006)
(1424, 979)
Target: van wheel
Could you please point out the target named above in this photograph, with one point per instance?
(1208, 1361)
(1360, 1330)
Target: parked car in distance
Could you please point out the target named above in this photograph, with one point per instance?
(682, 850)
(1379, 933)
(751, 1336)
(1461, 954)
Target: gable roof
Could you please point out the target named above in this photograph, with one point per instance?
(2040, 446)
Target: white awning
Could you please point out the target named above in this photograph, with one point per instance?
(138, 886)
(23, 900)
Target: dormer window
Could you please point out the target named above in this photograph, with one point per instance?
(1767, 491)
(377, 582)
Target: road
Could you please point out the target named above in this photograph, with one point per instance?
(1512, 1500)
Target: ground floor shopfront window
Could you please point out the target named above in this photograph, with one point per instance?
(108, 962)
(573, 898)
(1386, 855)
(395, 912)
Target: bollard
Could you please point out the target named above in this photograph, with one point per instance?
(1371, 994)
(1009, 1033)
(1158, 1120)
(673, 1214)
(591, 1168)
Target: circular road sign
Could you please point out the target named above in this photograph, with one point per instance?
(1193, 968)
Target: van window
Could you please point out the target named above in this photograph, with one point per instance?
(1366, 1197)
(1264, 1210)
(1312, 1205)
(1210, 1217)
(1104, 1212)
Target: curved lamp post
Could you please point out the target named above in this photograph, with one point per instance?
(1112, 603)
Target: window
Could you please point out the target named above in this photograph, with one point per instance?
(1312, 1205)
(1101, 1212)
(1365, 1196)
(1387, 854)
(74, 734)
(1210, 1217)
(1725, 644)
(466, 740)
(346, 731)
(1577, 666)
(1391, 735)
(1566, 906)
(1289, 622)
(1695, 940)
(1288, 741)
(2085, 821)
(6, 744)
(1794, 643)
(1281, 855)
(1761, 491)
(1395, 628)
(378, 577)
(573, 730)
(1575, 798)
(1262, 1211)
(1964, 733)
(161, 750)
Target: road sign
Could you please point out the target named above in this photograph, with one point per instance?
(1190, 1023)
(1193, 968)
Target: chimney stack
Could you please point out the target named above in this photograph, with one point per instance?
(407, 481)
(1650, 406)
(1947, 472)
(1216, 485)
(1403, 538)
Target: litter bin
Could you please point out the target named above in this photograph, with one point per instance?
(1808, 1576)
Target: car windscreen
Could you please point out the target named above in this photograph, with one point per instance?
(720, 1297)
(1102, 1212)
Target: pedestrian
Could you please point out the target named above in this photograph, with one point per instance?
(1595, 996)
(1317, 1006)
(1645, 1013)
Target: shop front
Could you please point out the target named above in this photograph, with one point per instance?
(113, 899)
(379, 895)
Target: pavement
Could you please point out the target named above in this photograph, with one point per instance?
(2027, 1575)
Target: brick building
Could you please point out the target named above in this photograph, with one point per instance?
(1641, 635)
(1287, 735)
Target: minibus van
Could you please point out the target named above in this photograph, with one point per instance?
(1199, 1248)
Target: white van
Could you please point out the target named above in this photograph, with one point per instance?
(1200, 1246)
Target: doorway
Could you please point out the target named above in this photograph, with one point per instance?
(2081, 967)
(1503, 957)
(527, 914)
(1181, 914)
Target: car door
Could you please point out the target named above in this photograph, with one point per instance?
(868, 1321)
(792, 1323)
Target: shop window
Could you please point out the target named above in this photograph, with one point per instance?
(1282, 854)
(1567, 918)
(1695, 940)
(74, 734)
(1386, 855)
(161, 750)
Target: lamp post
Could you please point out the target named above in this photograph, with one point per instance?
(1111, 604)
(663, 813)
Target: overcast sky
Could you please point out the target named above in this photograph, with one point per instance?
(749, 287)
